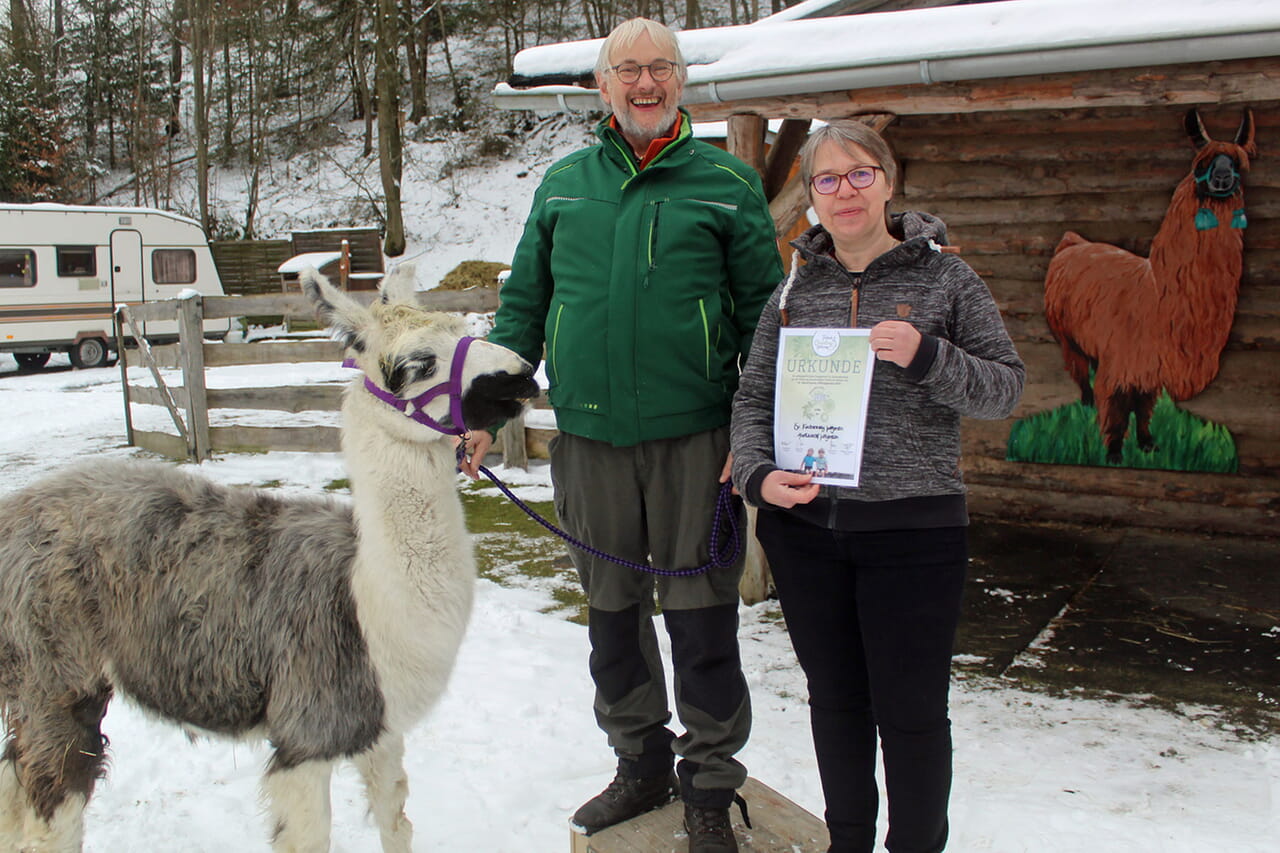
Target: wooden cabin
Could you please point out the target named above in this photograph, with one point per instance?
(1015, 129)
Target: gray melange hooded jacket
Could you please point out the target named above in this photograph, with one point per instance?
(966, 366)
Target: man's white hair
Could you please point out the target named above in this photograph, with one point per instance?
(628, 32)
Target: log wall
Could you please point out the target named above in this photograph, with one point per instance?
(1008, 184)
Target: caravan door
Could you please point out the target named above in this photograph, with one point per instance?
(126, 267)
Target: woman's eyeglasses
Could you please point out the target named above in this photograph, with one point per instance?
(660, 70)
(859, 178)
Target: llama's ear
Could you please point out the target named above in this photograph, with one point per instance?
(1195, 129)
(345, 317)
(400, 285)
(1244, 136)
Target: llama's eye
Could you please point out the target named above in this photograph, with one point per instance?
(403, 372)
(420, 366)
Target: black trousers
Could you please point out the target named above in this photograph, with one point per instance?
(872, 617)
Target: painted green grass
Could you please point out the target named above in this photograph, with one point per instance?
(1068, 435)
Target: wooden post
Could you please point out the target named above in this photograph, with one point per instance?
(745, 140)
(191, 348)
(344, 265)
(782, 154)
(118, 319)
(755, 583)
(515, 454)
(777, 826)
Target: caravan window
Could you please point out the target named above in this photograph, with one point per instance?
(173, 266)
(77, 261)
(17, 268)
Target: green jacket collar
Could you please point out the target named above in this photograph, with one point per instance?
(619, 150)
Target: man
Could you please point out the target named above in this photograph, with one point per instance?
(642, 271)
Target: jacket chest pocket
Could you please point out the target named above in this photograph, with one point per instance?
(684, 239)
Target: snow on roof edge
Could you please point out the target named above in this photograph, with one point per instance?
(881, 38)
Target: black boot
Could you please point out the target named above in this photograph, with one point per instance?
(709, 828)
(626, 797)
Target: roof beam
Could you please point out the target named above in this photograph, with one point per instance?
(1238, 81)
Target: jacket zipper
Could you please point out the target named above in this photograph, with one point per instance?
(555, 336)
(653, 239)
(706, 340)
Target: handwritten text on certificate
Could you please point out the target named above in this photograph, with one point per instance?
(820, 412)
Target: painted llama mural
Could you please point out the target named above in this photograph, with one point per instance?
(1133, 329)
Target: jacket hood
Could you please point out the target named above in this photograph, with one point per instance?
(916, 229)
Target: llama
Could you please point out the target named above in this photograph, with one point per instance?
(328, 630)
(1146, 324)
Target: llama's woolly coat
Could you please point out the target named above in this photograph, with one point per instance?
(226, 666)
(327, 630)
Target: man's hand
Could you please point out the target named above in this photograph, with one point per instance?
(896, 341)
(787, 488)
(477, 445)
(727, 471)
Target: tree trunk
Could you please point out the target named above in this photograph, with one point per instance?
(459, 97)
(229, 89)
(416, 61)
(390, 154)
(200, 102)
(359, 79)
(692, 14)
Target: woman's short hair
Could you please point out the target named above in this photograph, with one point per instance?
(628, 32)
(846, 133)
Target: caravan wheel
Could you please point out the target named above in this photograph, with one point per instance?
(31, 360)
(89, 352)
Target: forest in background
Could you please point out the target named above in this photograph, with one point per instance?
(112, 98)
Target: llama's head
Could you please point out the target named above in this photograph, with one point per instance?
(407, 351)
(1219, 167)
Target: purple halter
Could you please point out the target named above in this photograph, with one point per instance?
(415, 409)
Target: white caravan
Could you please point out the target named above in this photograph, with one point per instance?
(63, 269)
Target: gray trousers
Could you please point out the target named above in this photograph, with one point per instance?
(653, 503)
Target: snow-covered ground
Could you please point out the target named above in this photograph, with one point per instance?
(512, 749)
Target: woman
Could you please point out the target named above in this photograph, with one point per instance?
(870, 578)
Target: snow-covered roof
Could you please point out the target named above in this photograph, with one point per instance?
(777, 57)
(298, 263)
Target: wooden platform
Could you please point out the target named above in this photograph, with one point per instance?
(778, 826)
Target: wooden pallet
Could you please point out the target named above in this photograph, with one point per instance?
(778, 826)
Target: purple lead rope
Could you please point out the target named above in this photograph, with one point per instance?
(415, 409)
(723, 555)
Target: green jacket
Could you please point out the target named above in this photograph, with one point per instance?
(644, 286)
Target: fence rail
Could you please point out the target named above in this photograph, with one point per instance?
(190, 402)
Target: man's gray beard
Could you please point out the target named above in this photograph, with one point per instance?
(634, 133)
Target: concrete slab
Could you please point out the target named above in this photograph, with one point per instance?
(1165, 617)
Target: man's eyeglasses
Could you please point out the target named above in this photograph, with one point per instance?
(859, 178)
(660, 70)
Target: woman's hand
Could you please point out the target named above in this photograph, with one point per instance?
(896, 341)
(787, 488)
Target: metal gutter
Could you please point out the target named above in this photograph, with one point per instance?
(923, 72)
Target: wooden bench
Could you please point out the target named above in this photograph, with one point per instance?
(778, 826)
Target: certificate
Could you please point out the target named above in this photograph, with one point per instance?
(820, 409)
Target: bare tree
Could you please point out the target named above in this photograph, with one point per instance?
(198, 14)
(390, 151)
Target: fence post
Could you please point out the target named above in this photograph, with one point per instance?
(191, 353)
(118, 320)
(514, 452)
(344, 267)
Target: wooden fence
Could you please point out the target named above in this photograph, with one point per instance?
(190, 403)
